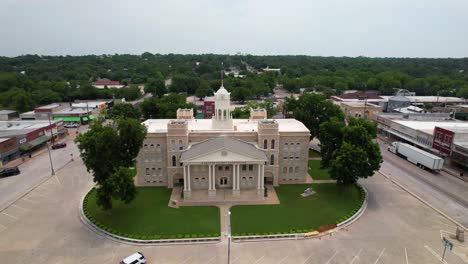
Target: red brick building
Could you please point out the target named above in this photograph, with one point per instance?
(443, 139)
(208, 107)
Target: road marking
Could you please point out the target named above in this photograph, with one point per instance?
(307, 259)
(9, 215)
(283, 259)
(435, 254)
(258, 260)
(406, 255)
(336, 252)
(189, 257)
(381, 253)
(55, 176)
(211, 259)
(234, 260)
(19, 207)
(355, 257)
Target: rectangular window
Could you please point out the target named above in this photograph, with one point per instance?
(244, 167)
(147, 171)
(250, 167)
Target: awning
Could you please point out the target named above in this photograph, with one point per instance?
(68, 118)
(33, 143)
(90, 117)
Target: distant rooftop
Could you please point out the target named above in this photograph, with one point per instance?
(106, 82)
(49, 106)
(70, 110)
(6, 112)
(428, 126)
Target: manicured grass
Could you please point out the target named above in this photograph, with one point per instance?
(316, 173)
(328, 205)
(149, 215)
(314, 154)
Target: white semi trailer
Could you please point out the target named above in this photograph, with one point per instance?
(417, 156)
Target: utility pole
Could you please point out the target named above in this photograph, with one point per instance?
(48, 148)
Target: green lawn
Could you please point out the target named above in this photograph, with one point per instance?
(328, 205)
(149, 215)
(316, 173)
(314, 154)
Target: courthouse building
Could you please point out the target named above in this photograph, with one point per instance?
(235, 155)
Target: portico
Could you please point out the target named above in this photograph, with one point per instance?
(216, 164)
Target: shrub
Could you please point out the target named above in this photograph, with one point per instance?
(187, 236)
(180, 236)
(157, 236)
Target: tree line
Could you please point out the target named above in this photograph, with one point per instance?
(31, 80)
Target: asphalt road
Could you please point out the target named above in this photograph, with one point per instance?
(445, 192)
(33, 172)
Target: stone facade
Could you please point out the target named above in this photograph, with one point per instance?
(237, 154)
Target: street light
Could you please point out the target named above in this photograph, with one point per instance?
(229, 238)
(48, 149)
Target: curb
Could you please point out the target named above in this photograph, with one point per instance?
(140, 242)
(423, 201)
(297, 236)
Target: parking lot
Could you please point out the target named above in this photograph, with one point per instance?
(44, 227)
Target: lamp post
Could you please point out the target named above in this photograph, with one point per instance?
(229, 238)
(48, 148)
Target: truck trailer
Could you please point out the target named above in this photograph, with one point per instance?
(417, 156)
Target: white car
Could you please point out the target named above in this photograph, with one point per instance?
(135, 258)
(72, 125)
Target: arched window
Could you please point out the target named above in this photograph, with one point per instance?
(285, 170)
(272, 144)
(272, 160)
(225, 114)
(145, 145)
(286, 146)
(290, 169)
(147, 171)
(296, 170)
(152, 145)
(265, 144)
(219, 114)
(298, 146)
(158, 147)
(174, 161)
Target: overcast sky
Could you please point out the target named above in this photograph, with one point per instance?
(374, 28)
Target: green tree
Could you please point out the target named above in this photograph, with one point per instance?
(125, 110)
(156, 85)
(463, 92)
(164, 107)
(107, 152)
(330, 136)
(313, 110)
(358, 156)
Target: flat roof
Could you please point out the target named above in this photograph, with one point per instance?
(360, 104)
(428, 126)
(3, 139)
(5, 112)
(49, 106)
(242, 125)
(87, 105)
(428, 99)
(74, 110)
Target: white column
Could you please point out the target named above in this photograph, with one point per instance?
(188, 177)
(185, 178)
(259, 168)
(263, 177)
(213, 167)
(234, 182)
(210, 183)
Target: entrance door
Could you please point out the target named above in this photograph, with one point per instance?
(223, 181)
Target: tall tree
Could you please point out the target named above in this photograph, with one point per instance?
(358, 155)
(156, 85)
(331, 137)
(125, 110)
(313, 110)
(107, 152)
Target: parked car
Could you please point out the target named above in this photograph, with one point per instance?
(72, 125)
(59, 145)
(9, 172)
(135, 258)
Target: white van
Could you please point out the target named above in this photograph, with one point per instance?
(135, 258)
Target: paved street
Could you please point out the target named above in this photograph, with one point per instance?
(33, 172)
(43, 227)
(447, 193)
